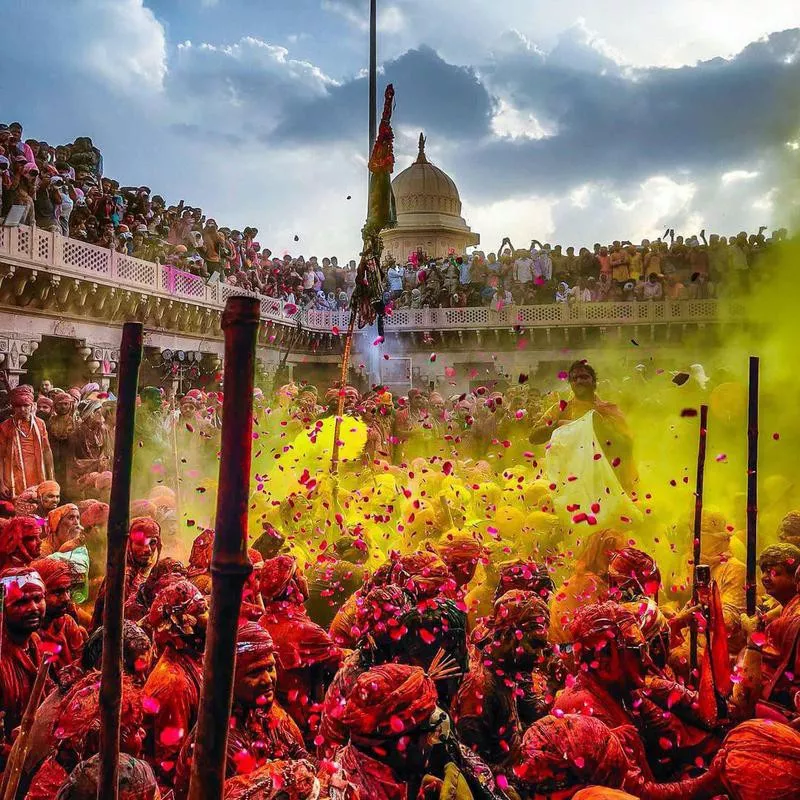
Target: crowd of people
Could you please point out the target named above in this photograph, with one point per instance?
(442, 620)
(63, 189)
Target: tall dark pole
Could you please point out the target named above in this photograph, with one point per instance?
(230, 566)
(373, 75)
(130, 357)
(752, 486)
(698, 527)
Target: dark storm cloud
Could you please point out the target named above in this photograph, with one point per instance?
(441, 98)
(616, 125)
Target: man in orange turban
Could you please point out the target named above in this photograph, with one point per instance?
(20, 542)
(25, 456)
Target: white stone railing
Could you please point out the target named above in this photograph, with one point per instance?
(36, 249)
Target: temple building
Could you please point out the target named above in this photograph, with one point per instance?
(428, 213)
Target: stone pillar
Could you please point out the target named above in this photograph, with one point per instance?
(15, 350)
(101, 362)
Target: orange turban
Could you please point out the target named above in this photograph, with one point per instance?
(47, 487)
(276, 576)
(252, 643)
(519, 610)
(387, 702)
(604, 622)
(524, 574)
(602, 793)
(143, 508)
(13, 533)
(762, 761)
(56, 515)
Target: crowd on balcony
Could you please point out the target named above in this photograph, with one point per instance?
(63, 189)
(441, 620)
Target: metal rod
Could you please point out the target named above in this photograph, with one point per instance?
(230, 565)
(752, 486)
(130, 357)
(698, 526)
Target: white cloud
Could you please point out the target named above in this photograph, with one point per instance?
(521, 219)
(738, 175)
(511, 123)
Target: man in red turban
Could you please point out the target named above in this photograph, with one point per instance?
(178, 619)
(307, 656)
(142, 554)
(23, 613)
(260, 730)
(507, 671)
(25, 456)
(61, 635)
(20, 542)
(633, 574)
(389, 716)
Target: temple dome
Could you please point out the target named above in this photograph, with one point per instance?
(428, 213)
(424, 187)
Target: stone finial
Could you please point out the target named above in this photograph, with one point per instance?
(421, 158)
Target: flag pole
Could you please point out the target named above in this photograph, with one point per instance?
(230, 566)
(130, 357)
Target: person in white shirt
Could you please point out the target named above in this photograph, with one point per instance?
(652, 288)
(523, 269)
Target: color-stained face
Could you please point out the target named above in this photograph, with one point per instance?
(779, 581)
(32, 542)
(70, 525)
(22, 410)
(143, 547)
(24, 607)
(58, 600)
(256, 685)
(50, 500)
(582, 383)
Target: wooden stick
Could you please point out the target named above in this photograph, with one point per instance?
(19, 750)
(130, 354)
(752, 486)
(698, 526)
(230, 566)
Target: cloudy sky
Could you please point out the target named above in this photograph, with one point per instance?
(576, 121)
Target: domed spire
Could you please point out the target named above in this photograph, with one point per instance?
(421, 158)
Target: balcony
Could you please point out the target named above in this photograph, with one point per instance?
(49, 262)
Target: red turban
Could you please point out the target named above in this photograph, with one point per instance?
(576, 748)
(21, 395)
(519, 610)
(524, 574)
(202, 550)
(252, 643)
(379, 612)
(389, 701)
(173, 615)
(604, 622)
(55, 573)
(630, 565)
(276, 575)
(44, 402)
(459, 547)
(294, 780)
(95, 514)
(422, 573)
(762, 761)
(147, 527)
(12, 535)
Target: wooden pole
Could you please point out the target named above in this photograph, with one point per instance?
(130, 357)
(230, 565)
(698, 526)
(752, 486)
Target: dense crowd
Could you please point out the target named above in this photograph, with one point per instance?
(63, 189)
(443, 620)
